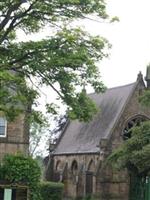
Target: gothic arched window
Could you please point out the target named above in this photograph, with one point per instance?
(91, 166)
(3, 126)
(136, 121)
(74, 167)
(58, 165)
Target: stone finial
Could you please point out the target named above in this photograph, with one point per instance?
(147, 78)
(140, 76)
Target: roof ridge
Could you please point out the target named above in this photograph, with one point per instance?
(122, 86)
(115, 87)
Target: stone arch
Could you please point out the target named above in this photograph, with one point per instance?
(89, 184)
(58, 165)
(91, 166)
(57, 175)
(74, 167)
(133, 121)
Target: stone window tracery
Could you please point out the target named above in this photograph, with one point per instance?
(91, 166)
(136, 121)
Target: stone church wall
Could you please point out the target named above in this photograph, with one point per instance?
(74, 178)
(107, 183)
(120, 181)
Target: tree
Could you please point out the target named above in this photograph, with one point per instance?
(41, 133)
(145, 98)
(37, 133)
(134, 154)
(63, 60)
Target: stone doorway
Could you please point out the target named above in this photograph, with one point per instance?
(89, 183)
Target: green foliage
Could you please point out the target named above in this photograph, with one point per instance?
(135, 152)
(114, 19)
(64, 60)
(83, 101)
(145, 98)
(51, 191)
(21, 169)
(87, 197)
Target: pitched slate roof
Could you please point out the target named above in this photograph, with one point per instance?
(80, 137)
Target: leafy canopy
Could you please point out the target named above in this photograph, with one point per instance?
(64, 60)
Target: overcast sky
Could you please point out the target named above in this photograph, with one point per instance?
(130, 38)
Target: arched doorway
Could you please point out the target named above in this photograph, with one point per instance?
(58, 169)
(74, 179)
(74, 171)
(74, 168)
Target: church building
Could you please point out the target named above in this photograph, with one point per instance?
(79, 155)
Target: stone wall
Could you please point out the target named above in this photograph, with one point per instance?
(17, 137)
(75, 180)
(119, 181)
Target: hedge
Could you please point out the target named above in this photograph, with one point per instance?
(51, 191)
(22, 169)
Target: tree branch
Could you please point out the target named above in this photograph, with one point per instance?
(51, 85)
(8, 15)
(13, 25)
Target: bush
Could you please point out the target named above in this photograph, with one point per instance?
(89, 197)
(21, 169)
(51, 191)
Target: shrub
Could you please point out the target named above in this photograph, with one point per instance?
(51, 191)
(21, 169)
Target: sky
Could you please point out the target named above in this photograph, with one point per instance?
(130, 39)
